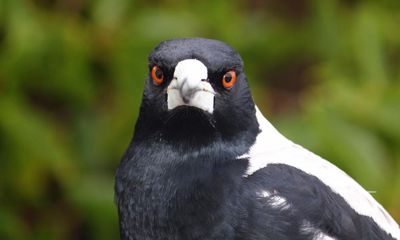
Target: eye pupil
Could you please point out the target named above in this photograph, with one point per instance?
(228, 77)
(159, 73)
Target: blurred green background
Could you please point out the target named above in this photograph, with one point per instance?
(326, 73)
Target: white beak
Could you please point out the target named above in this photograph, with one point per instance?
(190, 86)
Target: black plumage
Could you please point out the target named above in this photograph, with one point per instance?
(182, 177)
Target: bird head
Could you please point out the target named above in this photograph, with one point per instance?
(196, 88)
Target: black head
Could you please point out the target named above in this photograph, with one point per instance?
(196, 90)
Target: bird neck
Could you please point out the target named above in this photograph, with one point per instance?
(184, 188)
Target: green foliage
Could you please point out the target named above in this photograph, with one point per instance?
(327, 73)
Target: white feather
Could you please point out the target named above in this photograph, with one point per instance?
(307, 227)
(274, 200)
(272, 147)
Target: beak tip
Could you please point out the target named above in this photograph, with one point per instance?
(185, 99)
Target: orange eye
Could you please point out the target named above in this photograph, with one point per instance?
(157, 75)
(229, 79)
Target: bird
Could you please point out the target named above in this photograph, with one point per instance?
(204, 163)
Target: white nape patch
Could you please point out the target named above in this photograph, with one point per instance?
(308, 228)
(274, 200)
(189, 86)
(272, 147)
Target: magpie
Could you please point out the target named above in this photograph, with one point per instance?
(204, 163)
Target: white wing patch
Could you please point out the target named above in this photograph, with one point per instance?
(272, 147)
(307, 227)
(275, 200)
